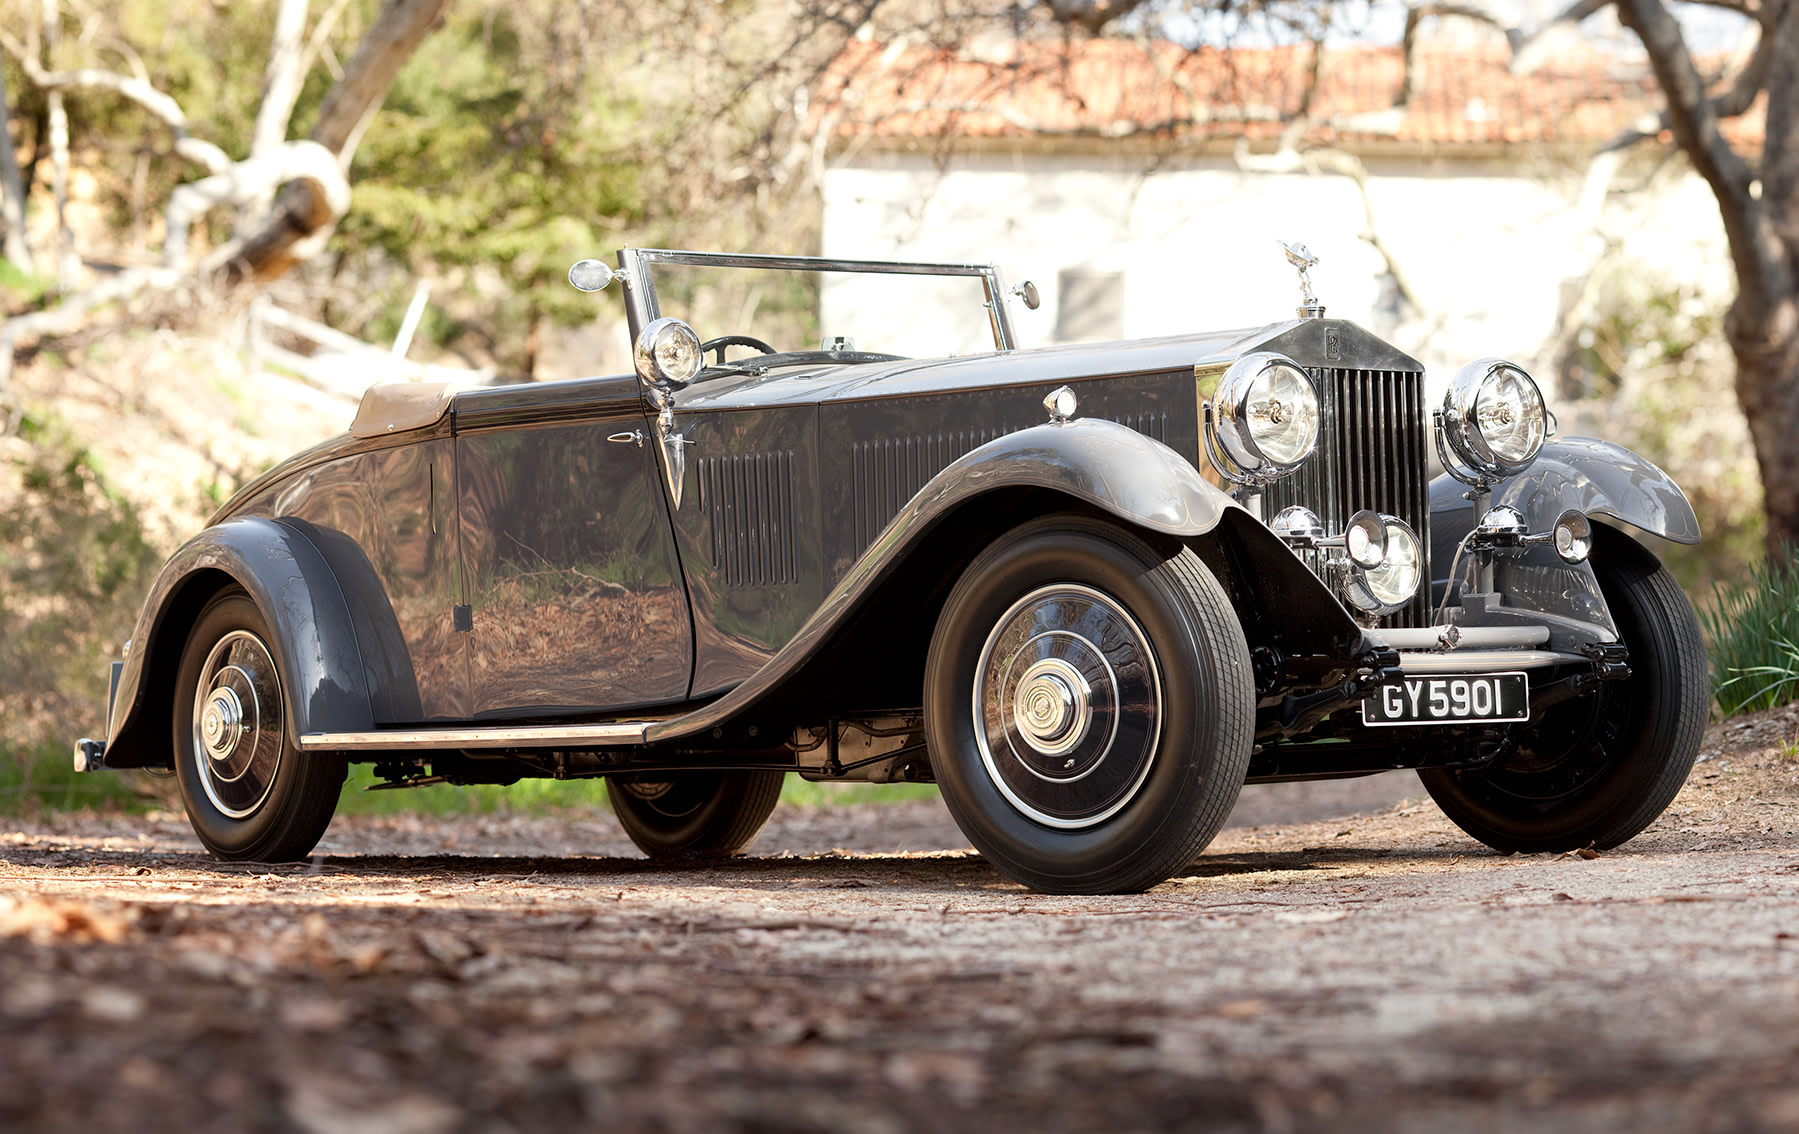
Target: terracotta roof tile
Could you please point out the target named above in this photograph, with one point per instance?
(1463, 96)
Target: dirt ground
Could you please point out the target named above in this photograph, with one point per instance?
(860, 973)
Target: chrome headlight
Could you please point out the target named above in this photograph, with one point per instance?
(1265, 419)
(1389, 587)
(1494, 417)
(668, 353)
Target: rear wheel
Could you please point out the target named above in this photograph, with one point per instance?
(1089, 707)
(1597, 770)
(250, 793)
(694, 814)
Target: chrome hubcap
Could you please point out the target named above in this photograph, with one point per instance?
(238, 725)
(1067, 706)
(222, 723)
(1053, 706)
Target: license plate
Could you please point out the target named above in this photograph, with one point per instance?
(1450, 699)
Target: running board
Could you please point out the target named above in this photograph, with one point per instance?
(615, 734)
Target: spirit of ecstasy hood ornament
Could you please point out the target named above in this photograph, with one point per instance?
(1303, 258)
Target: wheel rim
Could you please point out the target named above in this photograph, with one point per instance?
(1067, 706)
(238, 724)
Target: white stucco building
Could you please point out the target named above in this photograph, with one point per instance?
(1144, 194)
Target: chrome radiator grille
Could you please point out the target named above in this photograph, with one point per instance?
(1373, 452)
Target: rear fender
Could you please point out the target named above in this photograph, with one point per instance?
(294, 588)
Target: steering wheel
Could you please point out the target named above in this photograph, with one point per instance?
(723, 341)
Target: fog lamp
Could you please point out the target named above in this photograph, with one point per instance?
(1390, 586)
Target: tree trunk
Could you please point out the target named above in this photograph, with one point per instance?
(68, 260)
(303, 218)
(12, 194)
(1766, 346)
(1762, 225)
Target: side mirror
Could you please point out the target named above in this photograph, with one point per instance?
(590, 275)
(1026, 291)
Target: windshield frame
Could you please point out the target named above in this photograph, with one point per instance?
(636, 265)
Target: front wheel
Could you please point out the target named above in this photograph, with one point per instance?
(1089, 707)
(672, 815)
(1595, 771)
(249, 791)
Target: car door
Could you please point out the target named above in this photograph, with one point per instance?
(747, 523)
(574, 598)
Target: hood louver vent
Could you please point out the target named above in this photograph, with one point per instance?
(750, 500)
(889, 472)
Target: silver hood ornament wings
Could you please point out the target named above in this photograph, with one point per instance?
(1303, 258)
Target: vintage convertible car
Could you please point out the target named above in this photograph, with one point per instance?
(1089, 590)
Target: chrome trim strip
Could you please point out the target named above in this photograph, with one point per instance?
(496, 736)
(1484, 661)
(644, 307)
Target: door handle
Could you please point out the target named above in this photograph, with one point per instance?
(634, 437)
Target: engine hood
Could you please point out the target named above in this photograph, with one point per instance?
(1315, 343)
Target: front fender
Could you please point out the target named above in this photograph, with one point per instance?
(294, 588)
(1109, 466)
(1597, 477)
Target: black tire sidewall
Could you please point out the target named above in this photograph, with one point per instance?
(738, 804)
(1664, 707)
(1189, 767)
(253, 836)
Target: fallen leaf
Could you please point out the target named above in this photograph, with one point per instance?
(1242, 1009)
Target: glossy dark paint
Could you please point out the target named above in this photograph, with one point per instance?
(879, 453)
(577, 606)
(1597, 477)
(749, 531)
(781, 536)
(1100, 463)
(291, 582)
(396, 505)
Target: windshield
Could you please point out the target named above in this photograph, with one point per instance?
(801, 304)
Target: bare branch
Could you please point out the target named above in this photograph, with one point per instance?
(281, 84)
(71, 314)
(1762, 272)
(1415, 15)
(316, 44)
(249, 180)
(305, 215)
(1092, 15)
(1754, 8)
(1749, 81)
(1531, 49)
(68, 261)
(139, 91)
(395, 34)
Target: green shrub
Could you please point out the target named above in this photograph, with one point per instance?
(43, 777)
(1754, 632)
(545, 797)
(74, 565)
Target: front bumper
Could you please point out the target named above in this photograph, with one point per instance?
(1472, 649)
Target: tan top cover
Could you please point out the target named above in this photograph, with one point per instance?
(394, 407)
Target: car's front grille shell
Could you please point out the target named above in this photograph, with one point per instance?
(1373, 452)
